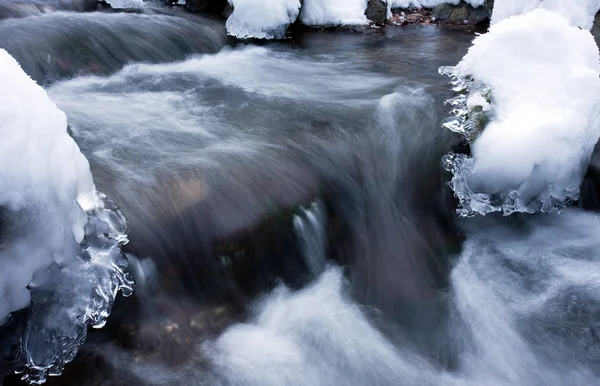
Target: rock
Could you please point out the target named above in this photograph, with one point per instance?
(462, 13)
(216, 7)
(442, 11)
(489, 6)
(377, 11)
(596, 29)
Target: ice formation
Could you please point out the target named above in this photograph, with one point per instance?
(333, 12)
(59, 238)
(580, 13)
(261, 19)
(529, 103)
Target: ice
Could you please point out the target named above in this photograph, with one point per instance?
(333, 12)
(529, 103)
(261, 19)
(580, 13)
(59, 238)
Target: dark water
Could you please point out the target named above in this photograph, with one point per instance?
(212, 157)
(65, 44)
(203, 149)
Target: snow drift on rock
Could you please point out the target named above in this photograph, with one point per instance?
(120, 4)
(580, 13)
(42, 170)
(59, 238)
(261, 19)
(333, 12)
(535, 78)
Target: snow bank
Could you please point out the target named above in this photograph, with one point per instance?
(59, 239)
(580, 13)
(333, 12)
(261, 19)
(534, 89)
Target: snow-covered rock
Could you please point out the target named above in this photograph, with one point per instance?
(580, 13)
(536, 78)
(261, 19)
(59, 238)
(333, 12)
(119, 4)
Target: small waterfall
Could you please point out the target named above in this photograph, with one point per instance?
(310, 226)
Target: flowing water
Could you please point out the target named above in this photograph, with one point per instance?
(289, 218)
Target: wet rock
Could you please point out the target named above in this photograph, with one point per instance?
(411, 16)
(376, 11)
(489, 6)
(589, 197)
(216, 7)
(462, 13)
(596, 29)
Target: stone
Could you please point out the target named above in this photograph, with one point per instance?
(442, 11)
(216, 7)
(489, 6)
(596, 29)
(462, 13)
(376, 11)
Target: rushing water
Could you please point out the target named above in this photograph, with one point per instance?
(289, 219)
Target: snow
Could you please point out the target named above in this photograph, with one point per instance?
(580, 13)
(41, 170)
(333, 12)
(542, 74)
(261, 19)
(269, 19)
(47, 199)
(118, 4)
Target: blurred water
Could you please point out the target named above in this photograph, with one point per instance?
(224, 148)
(64, 44)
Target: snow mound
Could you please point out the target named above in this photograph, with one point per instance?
(59, 238)
(121, 4)
(261, 19)
(580, 13)
(529, 103)
(333, 12)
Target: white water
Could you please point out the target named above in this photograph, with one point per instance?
(523, 304)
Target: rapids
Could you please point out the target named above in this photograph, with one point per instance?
(289, 217)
